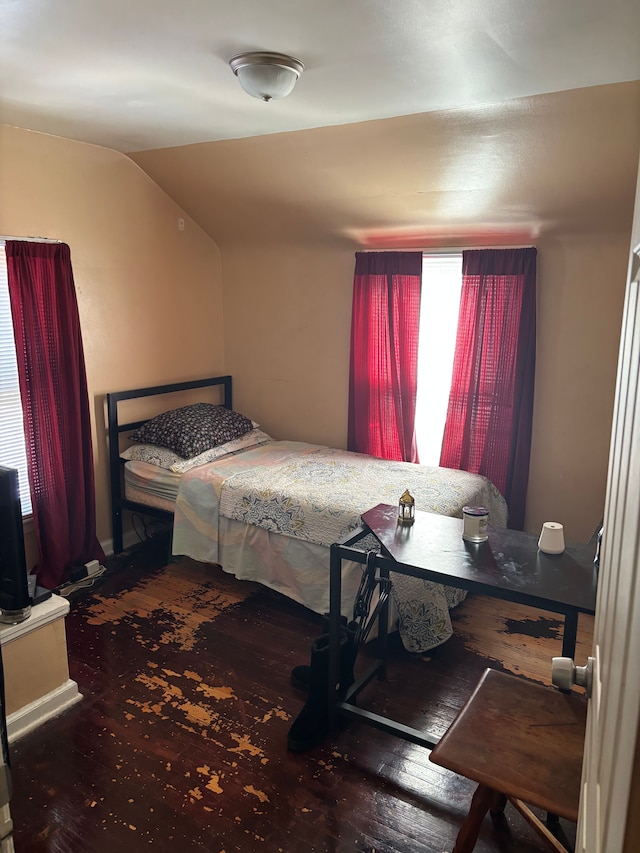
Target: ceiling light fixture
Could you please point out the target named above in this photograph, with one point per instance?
(267, 76)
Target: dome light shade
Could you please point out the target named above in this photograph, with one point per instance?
(267, 76)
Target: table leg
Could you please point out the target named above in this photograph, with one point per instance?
(569, 639)
(335, 600)
(383, 631)
(570, 634)
(483, 799)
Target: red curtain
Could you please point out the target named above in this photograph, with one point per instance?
(384, 354)
(489, 417)
(55, 406)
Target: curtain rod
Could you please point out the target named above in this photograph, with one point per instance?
(4, 238)
(460, 249)
(454, 250)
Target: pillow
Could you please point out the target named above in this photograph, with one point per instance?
(153, 454)
(191, 430)
(168, 459)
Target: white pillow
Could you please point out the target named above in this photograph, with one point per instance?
(165, 458)
(249, 439)
(151, 453)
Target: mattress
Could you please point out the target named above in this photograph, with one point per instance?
(151, 485)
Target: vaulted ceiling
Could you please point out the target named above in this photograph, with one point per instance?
(505, 173)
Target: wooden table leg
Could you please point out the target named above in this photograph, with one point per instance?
(483, 800)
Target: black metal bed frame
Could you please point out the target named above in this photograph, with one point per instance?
(115, 430)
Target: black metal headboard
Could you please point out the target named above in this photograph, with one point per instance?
(115, 430)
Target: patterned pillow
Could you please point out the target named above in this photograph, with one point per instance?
(152, 454)
(191, 430)
(168, 459)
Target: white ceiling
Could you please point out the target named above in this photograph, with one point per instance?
(145, 74)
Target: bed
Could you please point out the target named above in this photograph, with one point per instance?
(268, 510)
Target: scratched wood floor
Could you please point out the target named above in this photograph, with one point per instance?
(180, 740)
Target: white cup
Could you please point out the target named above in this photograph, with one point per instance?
(551, 539)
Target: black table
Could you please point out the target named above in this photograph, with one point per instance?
(507, 566)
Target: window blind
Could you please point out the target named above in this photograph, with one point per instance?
(439, 304)
(12, 445)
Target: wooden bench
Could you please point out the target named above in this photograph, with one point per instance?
(521, 742)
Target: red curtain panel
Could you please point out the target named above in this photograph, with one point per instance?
(489, 417)
(55, 406)
(384, 354)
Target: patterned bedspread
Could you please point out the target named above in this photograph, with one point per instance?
(318, 494)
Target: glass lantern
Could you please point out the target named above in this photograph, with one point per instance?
(406, 509)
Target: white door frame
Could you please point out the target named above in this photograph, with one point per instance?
(613, 716)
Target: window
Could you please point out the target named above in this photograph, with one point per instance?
(439, 307)
(12, 446)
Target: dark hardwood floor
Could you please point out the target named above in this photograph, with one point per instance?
(180, 740)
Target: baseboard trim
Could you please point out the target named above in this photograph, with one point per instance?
(28, 718)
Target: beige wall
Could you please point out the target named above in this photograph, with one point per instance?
(149, 295)
(581, 284)
(35, 664)
(287, 322)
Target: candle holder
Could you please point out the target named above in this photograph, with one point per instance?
(551, 539)
(406, 509)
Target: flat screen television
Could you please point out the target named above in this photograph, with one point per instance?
(15, 602)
